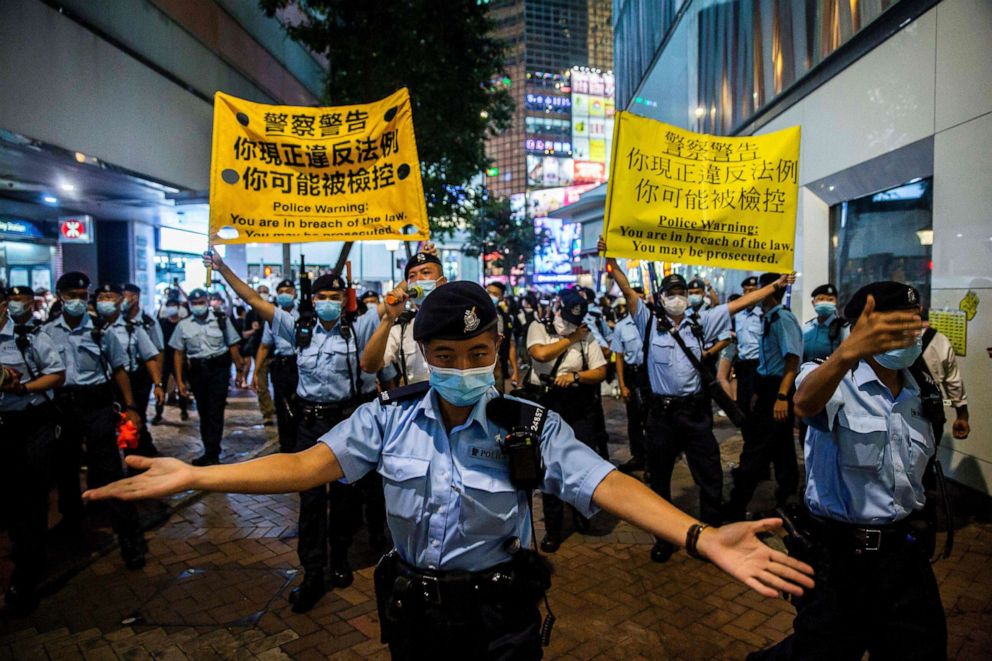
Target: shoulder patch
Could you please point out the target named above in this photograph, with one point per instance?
(403, 393)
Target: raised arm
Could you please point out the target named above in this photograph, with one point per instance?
(375, 349)
(633, 300)
(264, 309)
(758, 295)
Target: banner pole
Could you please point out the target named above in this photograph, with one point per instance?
(210, 269)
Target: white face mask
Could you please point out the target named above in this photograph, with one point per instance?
(675, 305)
(563, 327)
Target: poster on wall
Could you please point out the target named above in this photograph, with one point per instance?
(592, 116)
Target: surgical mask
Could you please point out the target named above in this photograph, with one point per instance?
(494, 299)
(327, 310)
(75, 307)
(171, 310)
(16, 308)
(695, 300)
(674, 305)
(462, 387)
(198, 310)
(125, 305)
(825, 309)
(106, 308)
(897, 359)
(284, 300)
(563, 327)
(425, 286)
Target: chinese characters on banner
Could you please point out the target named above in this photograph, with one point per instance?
(288, 174)
(684, 197)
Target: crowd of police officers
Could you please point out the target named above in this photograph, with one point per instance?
(870, 405)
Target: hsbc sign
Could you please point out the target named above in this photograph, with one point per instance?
(76, 229)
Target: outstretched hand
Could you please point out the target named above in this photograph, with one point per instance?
(736, 549)
(163, 476)
(878, 332)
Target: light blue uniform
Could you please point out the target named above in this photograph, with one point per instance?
(816, 338)
(627, 341)
(81, 354)
(152, 327)
(449, 501)
(138, 346)
(598, 328)
(866, 452)
(329, 367)
(748, 325)
(669, 370)
(202, 337)
(282, 346)
(784, 338)
(43, 358)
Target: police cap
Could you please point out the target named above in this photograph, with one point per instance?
(132, 288)
(329, 282)
(369, 294)
(749, 282)
(109, 288)
(216, 296)
(286, 283)
(696, 283)
(672, 281)
(454, 311)
(768, 278)
(73, 280)
(888, 296)
(198, 293)
(19, 290)
(573, 306)
(824, 290)
(420, 259)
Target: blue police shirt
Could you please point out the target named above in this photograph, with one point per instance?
(152, 327)
(598, 328)
(329, 368)
(669, 370)
(450, 504)
(867, 451)
(138, 346)
(748, 325)
(81, 354)
(816, 338)
(42, 357)
(283, 347)
(784, 338)
(202, 337)
(627, 341)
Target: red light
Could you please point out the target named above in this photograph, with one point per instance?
(931, 264)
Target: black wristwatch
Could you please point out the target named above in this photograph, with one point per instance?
(782, 398)
(575, 377)
(132, 407)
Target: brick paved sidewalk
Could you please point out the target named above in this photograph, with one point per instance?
(220, 571)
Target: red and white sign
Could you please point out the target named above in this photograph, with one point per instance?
(588, 172)
(76, 229)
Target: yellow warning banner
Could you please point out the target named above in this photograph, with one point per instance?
(288, 174)
(678, 196)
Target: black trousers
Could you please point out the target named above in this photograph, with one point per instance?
(886, 604)
(331, 514)
(169, 369)
(577, 407)
(27, 447)
(685, 428)
(635, 412)
(89, 421)
(746, 372)
(285, 378)
(141, 390)
(209, 380)
(772, 441)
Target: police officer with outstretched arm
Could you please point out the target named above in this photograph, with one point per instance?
(460, 582)
(862, 525)
(30, 368)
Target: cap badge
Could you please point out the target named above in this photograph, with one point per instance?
(576, 310)
(471, 320)
(911, 295)
(421, 257)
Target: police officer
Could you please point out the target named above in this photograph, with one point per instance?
(507, 327)
(167, 323)
(863, 530)
(86, 403)
(626, 346)
(282, 367)
(208, 340)
(824, 333)
(747, 324)
(142, 352)
(30, 368)
(568, 366)
(328, 390)
(771, 437)
(460, 582)
(680, 417)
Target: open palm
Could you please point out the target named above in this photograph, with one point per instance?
(736, 549)
(162, 477)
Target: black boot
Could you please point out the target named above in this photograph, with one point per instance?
(309, 592)
(133, 551)
(341, 576)
(21, 600)
(662, 551)
(550, 543)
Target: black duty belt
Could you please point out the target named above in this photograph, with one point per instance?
(284, 361)
(324, 409)
(100, 394)
(454, 588)
(747, 363)
(221, 359)
(26, 415)
(864, 540)
(665, 403)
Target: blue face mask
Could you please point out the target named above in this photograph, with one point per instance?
(327, 310)
(75, 307)
(695, 300)
(426, 287)
(285, 300)
(16, 308)
(125, 305)
(825, 309)
(898, 359)
(462, 387)
(198, 310)
(106, 308)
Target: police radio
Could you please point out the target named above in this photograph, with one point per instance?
(522, 444)
(307, 320)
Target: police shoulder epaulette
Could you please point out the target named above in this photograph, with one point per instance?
(404, 393)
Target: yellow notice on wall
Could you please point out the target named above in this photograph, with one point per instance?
(288, 174)
(678, 196)
(953, 324)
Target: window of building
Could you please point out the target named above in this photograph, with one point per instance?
(884, 236)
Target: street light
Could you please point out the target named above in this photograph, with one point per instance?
(392, 245)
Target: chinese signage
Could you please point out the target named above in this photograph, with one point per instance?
(592, 123)
(76, 229)
(284, 174)
(684, 197)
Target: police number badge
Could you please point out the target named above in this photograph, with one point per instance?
(577, 310)
(471, 320)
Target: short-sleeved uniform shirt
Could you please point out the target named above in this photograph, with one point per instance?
(627, 341)
(781, 336)
(598, 328)
(401, 336)
(85, 363)
(573, 360)
(816, 338)
(204, 337)
(42, 358)
(748, 326)
(280, 345)
(670, 371)
(152, 327)
(867, 451)
(450, 504)
(138, 345)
